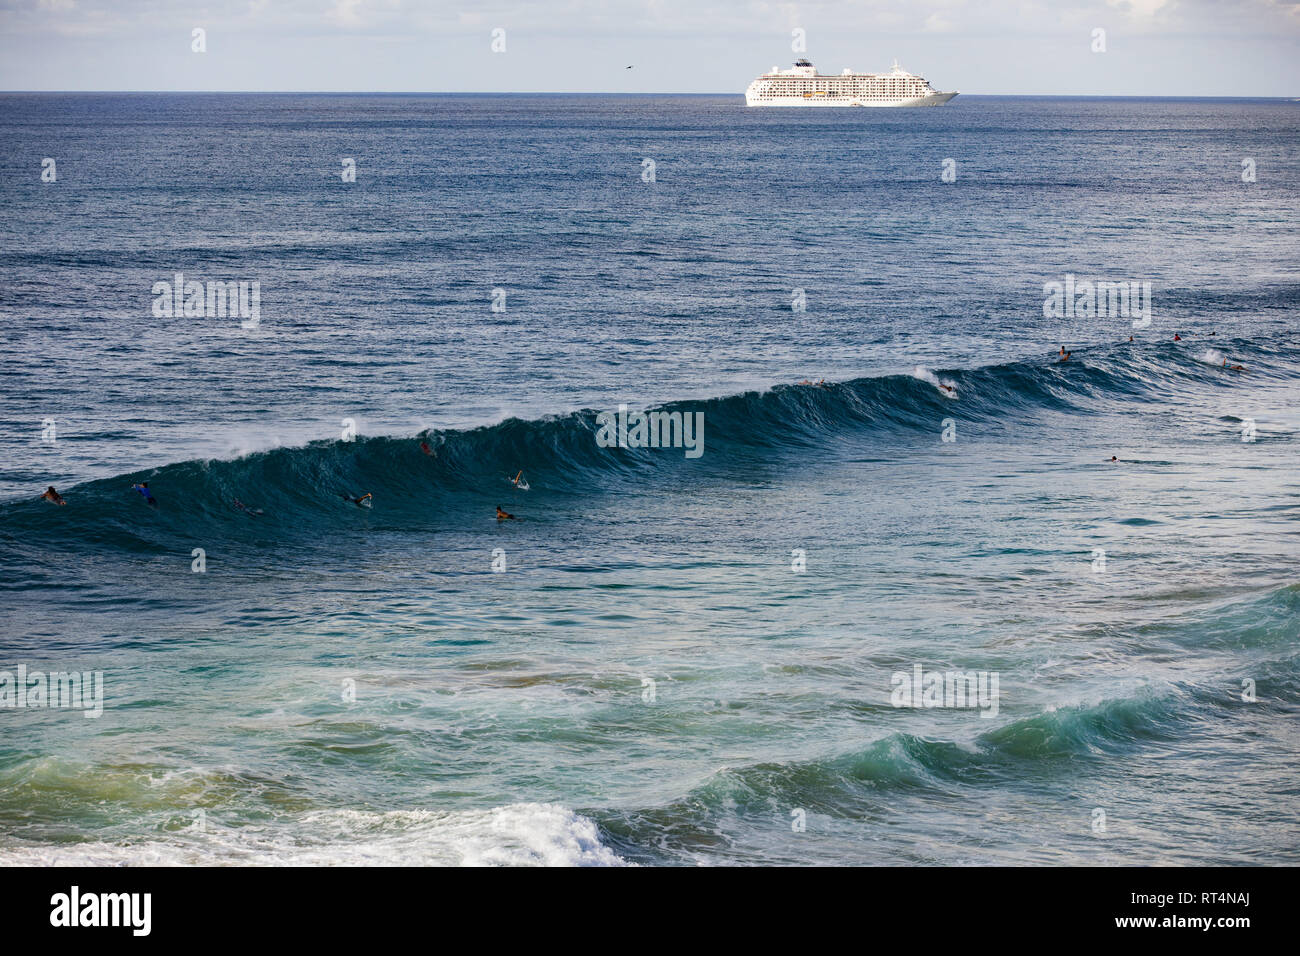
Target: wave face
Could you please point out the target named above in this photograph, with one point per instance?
(299, 491)
(882, 797)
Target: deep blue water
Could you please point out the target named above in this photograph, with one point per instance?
(507, 716)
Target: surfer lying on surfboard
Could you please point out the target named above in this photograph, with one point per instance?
(143, 488)
(52, 495)
(364, 501)
(503, 515)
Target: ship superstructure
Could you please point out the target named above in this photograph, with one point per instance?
(802, 85)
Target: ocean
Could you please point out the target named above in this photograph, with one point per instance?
(747, 650)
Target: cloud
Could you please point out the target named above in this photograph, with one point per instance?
(1140, 9)
(733, 18)
(345, 13)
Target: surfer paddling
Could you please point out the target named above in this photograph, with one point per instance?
(365, 501)
(54, 496)
(1065, 356)
(145, 493)
(504, 515)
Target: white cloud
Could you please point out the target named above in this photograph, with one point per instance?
(1140, 9)
(345, 13)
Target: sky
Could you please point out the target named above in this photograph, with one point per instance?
(1045, 47)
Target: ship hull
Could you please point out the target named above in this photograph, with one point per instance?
(931, 99)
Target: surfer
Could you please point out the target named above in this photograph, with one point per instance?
(1113, 458)
(1065, 356)
(424, 447)
(1177, 337)
(503, 515)
(52, 495)
(1232, 368)
(145, 493)
(948, 388)
(515, 480)
(364, 501)
(243, 507)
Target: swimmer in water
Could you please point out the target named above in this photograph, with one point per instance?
(1065, 356)
(143, 488)
(1177, 337)
(54, 496)
(1113, 458)
(424, 447)
(363, 502)
(503, 515)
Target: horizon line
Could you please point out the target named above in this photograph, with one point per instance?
(1078, 96)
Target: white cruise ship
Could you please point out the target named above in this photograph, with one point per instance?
(804, 86)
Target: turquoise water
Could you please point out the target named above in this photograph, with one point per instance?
(650, 680)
